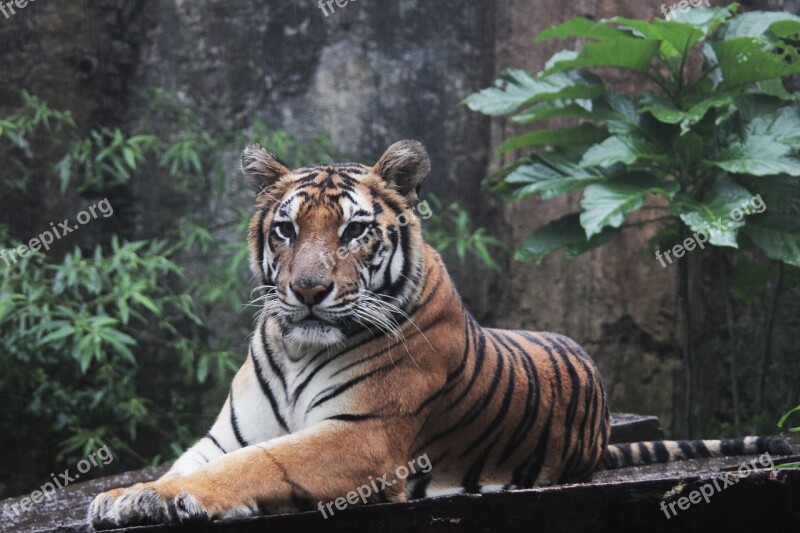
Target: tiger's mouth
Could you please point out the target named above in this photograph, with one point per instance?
(312, 318)
(315, 331)
(312, 321)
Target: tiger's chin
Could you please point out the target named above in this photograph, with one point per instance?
(315, 333)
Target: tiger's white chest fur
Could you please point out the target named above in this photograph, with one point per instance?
(310, 383)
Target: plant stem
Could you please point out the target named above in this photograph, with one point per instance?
(769, 326)
(737, 411)
(684, 56)
(685, 328)
(655, 78)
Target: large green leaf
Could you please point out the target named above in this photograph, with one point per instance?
(675, 31)
(629, 53)
(564, 233)
(778, 235)
(759, 23)
(619, 112)
(715, 215)
(516, 88)
(689, 150)
(555, 109)
(619, 149)
(665, 111)
(707, 19)
(546, 176)
(607, 204)
(774, 87)
(676, 38)
(575, 135)
(786, 28)
(759, 155)
(580, 27)
(782, 124)
(782, 193)
(747, 59)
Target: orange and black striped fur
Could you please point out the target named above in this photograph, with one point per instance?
(364, 357)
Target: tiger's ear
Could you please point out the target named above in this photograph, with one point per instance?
(262, 168)
(404, 165)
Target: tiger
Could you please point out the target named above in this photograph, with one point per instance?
(363, 356)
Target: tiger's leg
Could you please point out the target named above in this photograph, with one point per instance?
(246, 417)
(249, 415)
(320, 463)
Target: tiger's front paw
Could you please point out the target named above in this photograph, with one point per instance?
(145, 504)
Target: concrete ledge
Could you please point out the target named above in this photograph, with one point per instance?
(626, 427)
(615, 500)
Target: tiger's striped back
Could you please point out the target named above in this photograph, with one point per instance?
(519, 409)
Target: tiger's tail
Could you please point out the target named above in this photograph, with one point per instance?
(663, 451)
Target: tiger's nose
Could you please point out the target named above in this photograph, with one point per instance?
(311, 292)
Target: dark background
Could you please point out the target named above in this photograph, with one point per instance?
(367, 75)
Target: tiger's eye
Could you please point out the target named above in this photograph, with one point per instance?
(285, 230)
(354, 229)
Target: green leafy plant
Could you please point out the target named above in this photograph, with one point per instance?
(72, 333)
(449, 230)
(713, 129)
(781, 423)
(110, 342)
(19, 131)
(702, 140)
(106, 158)
(785, 418)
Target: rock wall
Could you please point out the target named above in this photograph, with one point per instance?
(368, 74)
(616, 300)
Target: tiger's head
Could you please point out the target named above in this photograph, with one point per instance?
(337, 247)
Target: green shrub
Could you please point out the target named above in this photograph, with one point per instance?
(113, 343)
(110, 343)
(781, 423)
(710, 145)
(449, 230)
(704, 141)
